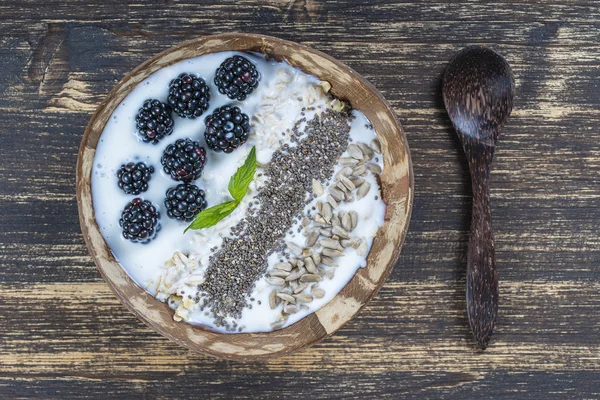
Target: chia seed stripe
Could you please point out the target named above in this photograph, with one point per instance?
(238, 265)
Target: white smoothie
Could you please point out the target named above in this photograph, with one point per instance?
(173, 264)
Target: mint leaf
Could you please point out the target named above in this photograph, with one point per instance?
(211, 216)
(239, 182)
(238, 187)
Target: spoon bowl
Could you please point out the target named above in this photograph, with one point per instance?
(478, 90)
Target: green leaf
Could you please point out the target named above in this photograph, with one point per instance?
(238, 186)
(211, 216)
(239, 182)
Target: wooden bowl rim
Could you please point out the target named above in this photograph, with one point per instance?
(397, 188)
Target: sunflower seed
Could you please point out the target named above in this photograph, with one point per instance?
(347, 161)
(327, 212)
(309, 264)
(305, 222)
(330, 274)
(299, 263)
(274, 300)
(284, 266)
(325, 232)
(290, 309)
(342, 187)
(376, 146)
(316, 258)
(332, 201)
(349, 197)
(317, 187)
(286, 297)
(293, 262)
(319, 219)
(332, 253)
(330, 244)
(304, 307)
(341, 214)
(286, 290)
(301, 287)
(276, 281)
(312, 238)
(303, 298)
(339, 231)
(277, 324)
(335, 221)
(279, 273)
(355, 151)
(347, 222)
(346, 171)
(362, 249)
(357, 181)
(354, 242)
(296, 274)
(367, 151)
(328, 261)
(359, 170)
(337, 194)
(346, 243)
(294, 248)
(318, 293)
(347, 183)
(363, 190)
(354, 217)
(374, 168)
(310, 278)
(292, 285)
(319, 205)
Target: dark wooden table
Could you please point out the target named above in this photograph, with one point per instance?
(64, 335)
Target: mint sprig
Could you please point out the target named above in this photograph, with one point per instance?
(238, 187)
(239, 182)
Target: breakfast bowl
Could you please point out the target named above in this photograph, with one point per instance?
(392, 175)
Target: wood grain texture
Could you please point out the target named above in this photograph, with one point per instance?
(64, 335)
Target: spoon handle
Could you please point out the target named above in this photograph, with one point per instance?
(482, 279)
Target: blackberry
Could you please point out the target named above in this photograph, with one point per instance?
(133, 178)
(184, 202)
(226, 129)
(154, 121)
(184, 160)
(140, 221)
(237, 77)
(188, 96)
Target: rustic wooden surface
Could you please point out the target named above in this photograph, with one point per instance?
(64, 335)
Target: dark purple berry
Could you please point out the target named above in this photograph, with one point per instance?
(140, 221)
(133, 177)
(184, 160)
(237, 77)
(154, 121)
(184, 201)
(188, 96)
(226, 129)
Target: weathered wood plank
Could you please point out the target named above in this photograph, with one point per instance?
(357, 385)
(418, 326)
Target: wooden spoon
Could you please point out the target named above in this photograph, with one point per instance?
(478, 92)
